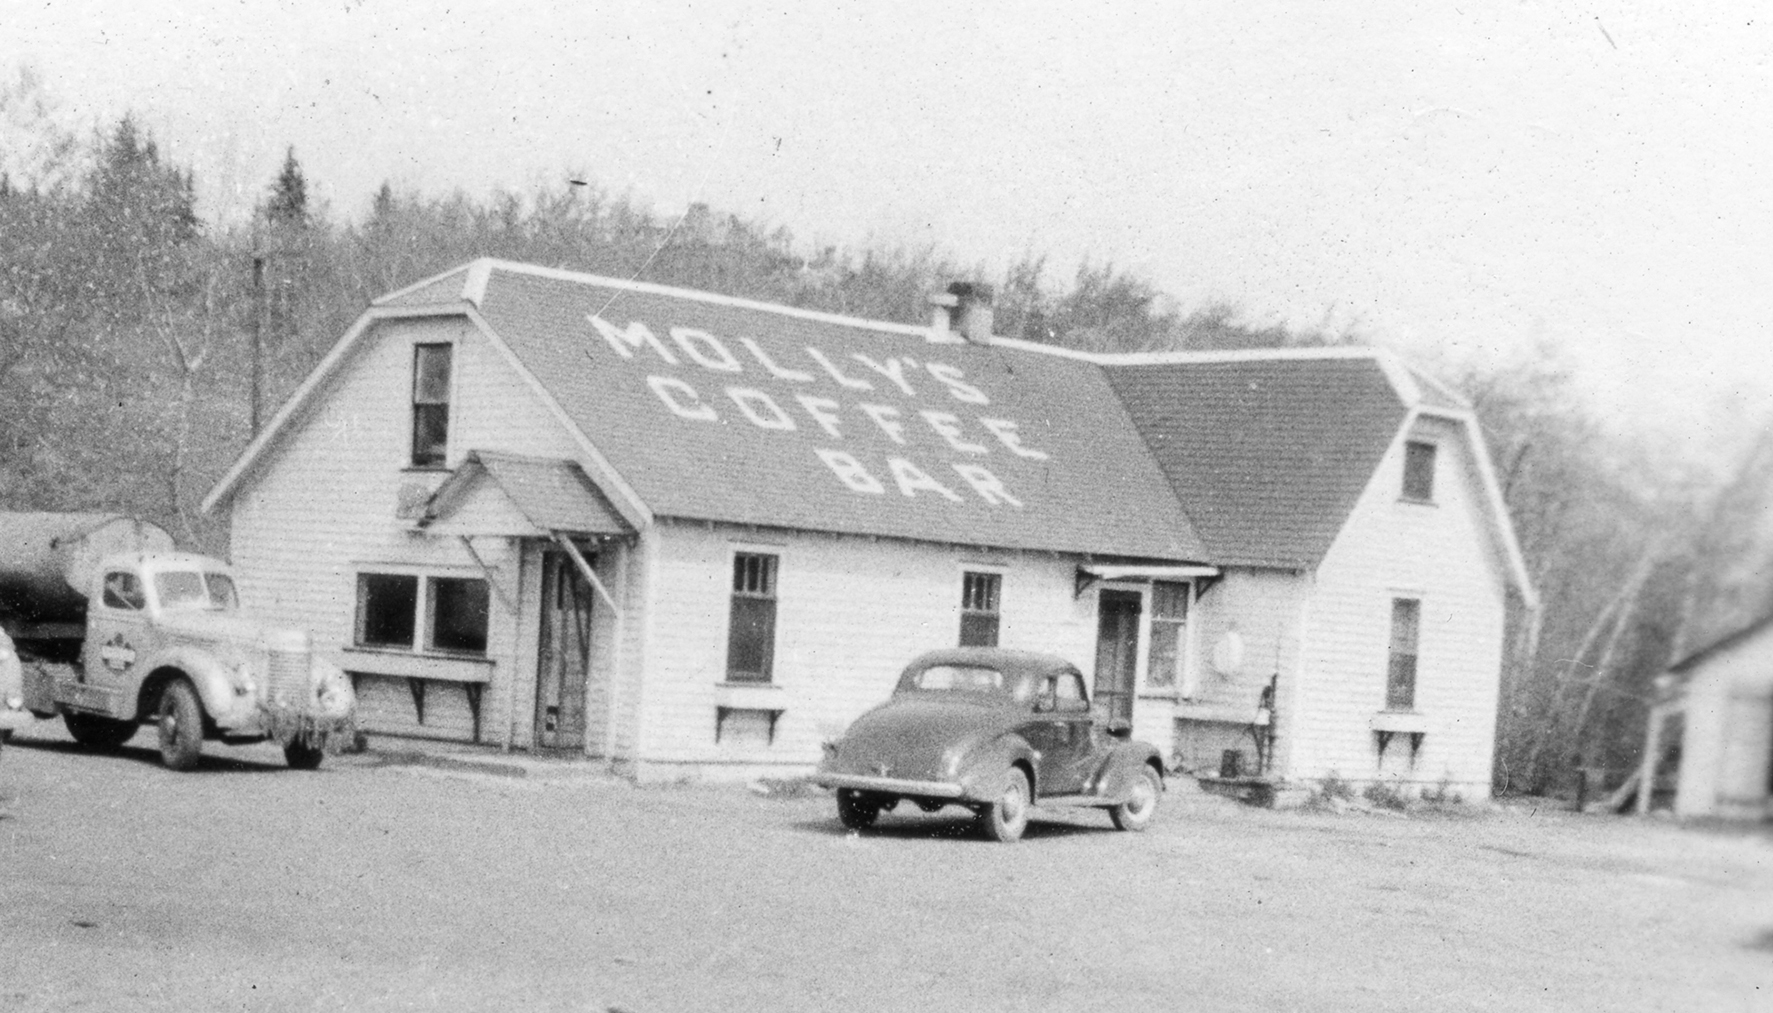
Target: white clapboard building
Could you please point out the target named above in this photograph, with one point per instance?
(697, 535)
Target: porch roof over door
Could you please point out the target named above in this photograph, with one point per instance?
(518, 496)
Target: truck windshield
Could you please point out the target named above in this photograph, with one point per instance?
(190, 590)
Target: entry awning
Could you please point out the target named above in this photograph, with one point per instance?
(1093, 572)
(516, 496)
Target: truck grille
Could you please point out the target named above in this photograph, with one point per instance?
(288, 678)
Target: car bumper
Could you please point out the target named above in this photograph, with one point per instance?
(12, 721)
(890, 785)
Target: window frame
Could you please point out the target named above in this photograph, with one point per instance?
(745, 605)
(424, 619)
(981, 606)
(1421, 463)
(423, 405)
(1403, 667)
(1158, 621)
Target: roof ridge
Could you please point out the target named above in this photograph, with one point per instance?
(699, 295)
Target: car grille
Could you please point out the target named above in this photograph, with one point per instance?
(288, 678)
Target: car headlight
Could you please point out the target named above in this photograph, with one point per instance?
(15, 703)
(243, 684)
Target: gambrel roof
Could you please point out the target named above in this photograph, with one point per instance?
(704, 407)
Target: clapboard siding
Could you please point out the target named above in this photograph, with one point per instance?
(850, 613)
(1441, 554)
(1264, 608)
(321, 507)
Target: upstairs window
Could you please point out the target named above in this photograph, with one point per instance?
(1169, 617)
(1419, 471)
(751, 634)
(979, 595)
(430, 405)
(1406, 626)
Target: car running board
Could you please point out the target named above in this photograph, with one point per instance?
(1071, 802)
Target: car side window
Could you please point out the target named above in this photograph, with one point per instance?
(123, 590)
(1069, 693)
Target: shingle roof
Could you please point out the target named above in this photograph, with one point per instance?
(553, 495)
(768, 416)
(1268, 456)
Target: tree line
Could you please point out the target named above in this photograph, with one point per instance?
(141, 346)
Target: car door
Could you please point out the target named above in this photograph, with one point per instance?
(1060, 728)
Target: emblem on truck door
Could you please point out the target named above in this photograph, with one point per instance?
(117, 654)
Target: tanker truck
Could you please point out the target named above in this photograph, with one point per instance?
(117, 629)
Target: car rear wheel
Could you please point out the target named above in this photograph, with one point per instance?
(97, 732)
(856, 810)
(181, 726)
(1136, 812)
(1005, 819)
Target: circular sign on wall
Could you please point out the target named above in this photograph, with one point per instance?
(1228, 653)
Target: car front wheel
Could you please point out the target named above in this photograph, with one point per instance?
(1006, 818)
(1136, 812)
(856, 810)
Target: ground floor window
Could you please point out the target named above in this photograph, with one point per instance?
(1169, 617)
(751, 631)
(1406, 625)
(980, 594)
(393, 609)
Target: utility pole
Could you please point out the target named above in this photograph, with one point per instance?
(258, 335)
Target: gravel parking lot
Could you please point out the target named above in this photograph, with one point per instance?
(382, 884)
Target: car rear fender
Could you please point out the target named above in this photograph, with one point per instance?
(1123, 767)
(982, 773)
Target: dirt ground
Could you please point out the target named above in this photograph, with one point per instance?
(381, 885)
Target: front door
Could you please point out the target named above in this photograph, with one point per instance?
(1117, 652)
(564, 659)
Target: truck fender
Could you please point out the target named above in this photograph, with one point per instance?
(1114, 782)
(213, 680)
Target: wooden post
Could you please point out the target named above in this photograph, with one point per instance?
(1652, 749)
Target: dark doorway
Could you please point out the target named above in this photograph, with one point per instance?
(1117, 652)
(563, 661)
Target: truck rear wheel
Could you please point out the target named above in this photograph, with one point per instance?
(96, 732)
(181, 726)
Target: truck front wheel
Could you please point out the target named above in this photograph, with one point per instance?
(96, 732)
(181, 726)
(302, 756)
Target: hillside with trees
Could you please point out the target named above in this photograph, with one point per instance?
(141, 346)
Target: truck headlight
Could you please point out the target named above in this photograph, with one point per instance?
(15, 703)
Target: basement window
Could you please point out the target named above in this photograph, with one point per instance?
(980, 594)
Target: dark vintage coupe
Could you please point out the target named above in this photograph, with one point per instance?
(994, 730)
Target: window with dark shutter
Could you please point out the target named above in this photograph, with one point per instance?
(1406, 625)
(979, 593)
(430, 405)
(1419, 471)
(751, 637)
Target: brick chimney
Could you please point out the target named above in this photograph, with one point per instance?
(963, 312)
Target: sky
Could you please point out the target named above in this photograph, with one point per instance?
(1482, 179)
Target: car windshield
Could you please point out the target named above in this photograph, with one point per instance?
(958, 679)
(195, 591)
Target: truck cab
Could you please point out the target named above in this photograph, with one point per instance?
(166, 643)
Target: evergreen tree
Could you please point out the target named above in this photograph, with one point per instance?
(289, 194)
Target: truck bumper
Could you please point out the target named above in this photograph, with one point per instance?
(12, 721)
